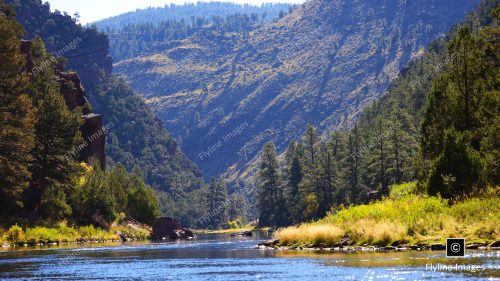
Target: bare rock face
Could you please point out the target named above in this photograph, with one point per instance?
(92, 129)
(95, 137)
(73, 92)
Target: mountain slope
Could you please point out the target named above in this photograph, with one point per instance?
(136, 33)
(225, 94)
(188, 11)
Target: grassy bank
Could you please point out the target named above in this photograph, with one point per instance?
(17, 235)
(403, 218)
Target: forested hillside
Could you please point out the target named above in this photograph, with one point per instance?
(321, 65)
(138, 32)
(137, 139)
(41, 181)
(436, 125)
(189, 11)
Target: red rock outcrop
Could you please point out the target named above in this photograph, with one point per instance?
(93, 133)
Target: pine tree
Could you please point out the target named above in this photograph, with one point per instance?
(57, 132)
(220, 218)
(120, 183)
(93, 202)
(16, 116)
(142, 203)
(327, 175)
(456, 171)
(463, 103)
(382, 149)
(294, 170)
(270, 193)
(311, 144)
(353, 163)
(211, 199)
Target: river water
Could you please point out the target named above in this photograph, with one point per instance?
(220, 257)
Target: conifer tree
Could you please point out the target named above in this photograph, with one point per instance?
(211, 199)
(220, 218)
(16, 116)
(119, 182)
(142, 203)
(295, 173)
(353, 163)
(57, 132)
(270, 193)
(464, 105)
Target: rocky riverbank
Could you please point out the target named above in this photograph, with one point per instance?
(275, 244)
(61, 234)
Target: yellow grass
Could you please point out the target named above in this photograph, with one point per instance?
(406, 217)
(313, 234)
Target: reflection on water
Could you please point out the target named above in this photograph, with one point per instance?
(220, 257)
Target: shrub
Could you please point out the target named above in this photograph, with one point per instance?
(42, 235)
(15, 235)
(68, 234)
(233, 224)
(404, 189)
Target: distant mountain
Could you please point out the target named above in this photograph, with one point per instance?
(223, 95)
(138, 32)
(188, 11)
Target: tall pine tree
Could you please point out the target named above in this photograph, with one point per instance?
(16, 116)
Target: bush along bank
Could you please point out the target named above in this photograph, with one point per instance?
(403, 221)
(62, 234)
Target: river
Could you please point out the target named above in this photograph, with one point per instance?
(220, 257)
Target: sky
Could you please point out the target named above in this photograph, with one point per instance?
(93, 10)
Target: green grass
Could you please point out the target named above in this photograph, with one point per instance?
(405, 217)
(61, 233)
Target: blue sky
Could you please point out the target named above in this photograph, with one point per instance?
(92, 10)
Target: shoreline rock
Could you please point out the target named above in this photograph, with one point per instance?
(274, 244)
(242, 234)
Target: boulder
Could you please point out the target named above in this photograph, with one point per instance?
(122, 236)
(270, 243)
(346, 240)
(188, 233)
(242, 233)
(494, 245)
(475, 245)
(169, 228)
(438, 247)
